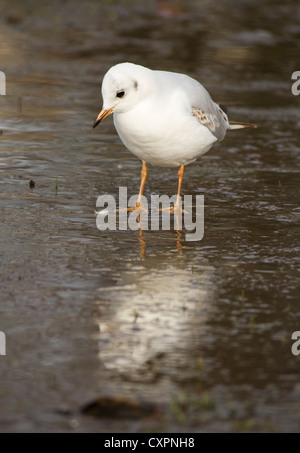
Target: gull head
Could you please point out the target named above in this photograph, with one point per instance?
(123, 87)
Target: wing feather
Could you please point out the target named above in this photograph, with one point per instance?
(216, 120)
(202, 106)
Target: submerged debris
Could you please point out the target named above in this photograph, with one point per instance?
(119, 406)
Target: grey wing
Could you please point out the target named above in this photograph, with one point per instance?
(205, 109)
(216, 120)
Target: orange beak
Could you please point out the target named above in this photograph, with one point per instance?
(102, 115)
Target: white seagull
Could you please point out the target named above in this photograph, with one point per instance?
(164, 118)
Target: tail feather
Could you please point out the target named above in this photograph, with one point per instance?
(238, 125)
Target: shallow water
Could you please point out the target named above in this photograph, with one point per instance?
(200, 329)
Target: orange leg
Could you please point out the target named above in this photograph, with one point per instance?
(144, 174)
(176, 209)
(180, 179)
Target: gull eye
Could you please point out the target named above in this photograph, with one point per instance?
(120, 94)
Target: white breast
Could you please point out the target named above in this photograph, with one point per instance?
(163, 135)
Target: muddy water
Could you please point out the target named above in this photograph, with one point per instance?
(202, 330)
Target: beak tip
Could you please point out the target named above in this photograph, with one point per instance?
(102, 115)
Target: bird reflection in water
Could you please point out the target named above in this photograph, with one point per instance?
(143, 241)
(152, 321)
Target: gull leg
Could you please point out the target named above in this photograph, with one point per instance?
(180, 179)
(176, 209)
(139, 205)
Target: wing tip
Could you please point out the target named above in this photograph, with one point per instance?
(239, 125)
